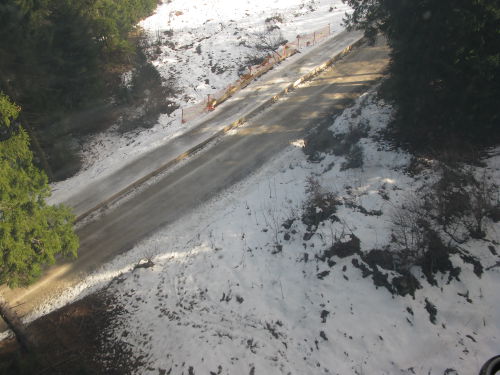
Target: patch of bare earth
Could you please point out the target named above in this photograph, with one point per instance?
(75, 339)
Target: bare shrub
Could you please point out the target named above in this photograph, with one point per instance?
(419, 244)
(460, 200)
(432, 225)
(354, 158)
(320, 204)
(343, 247)
(277, 18)
(272, 218)
(484, 199)
(269, 41)
(346, 141)
(250, 60)
(147, 260)
(408, 231)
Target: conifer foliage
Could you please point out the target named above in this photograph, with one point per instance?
(445, 70)
(62, 61)
(32, 233)
(54, 52)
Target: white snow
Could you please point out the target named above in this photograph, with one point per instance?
(221, 298)
(224, 31)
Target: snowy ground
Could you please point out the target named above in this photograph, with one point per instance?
(244, 286)
(200, 46)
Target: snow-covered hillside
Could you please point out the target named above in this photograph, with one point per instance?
(204, 44)
(281, 275)
(293, 270)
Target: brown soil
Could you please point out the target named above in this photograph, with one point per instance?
(73, 340)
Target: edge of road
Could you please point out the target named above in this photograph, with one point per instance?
(241, 120)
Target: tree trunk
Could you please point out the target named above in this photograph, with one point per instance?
(16, 325)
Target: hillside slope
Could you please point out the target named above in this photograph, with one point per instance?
(294, 270)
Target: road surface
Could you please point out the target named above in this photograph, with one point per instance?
(236, 107)
(228, 161)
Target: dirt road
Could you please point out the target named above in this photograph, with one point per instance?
(228, 161)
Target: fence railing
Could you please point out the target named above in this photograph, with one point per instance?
(213, 100)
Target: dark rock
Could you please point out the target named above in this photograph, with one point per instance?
(431, 309)
(471, 338)
(331, 263)
(365, 271)
(323, 274)
(478, 267)
(324, 315)
(308, 236)
(288, 223)
(381, 279)
(494, 213)
(382, 258)
(277, 249)
(405, 284)
(492, 249)
(437, 258)
(343, 249)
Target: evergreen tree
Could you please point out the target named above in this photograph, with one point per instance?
(64, 57)
(445, 68)
(32, 233)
